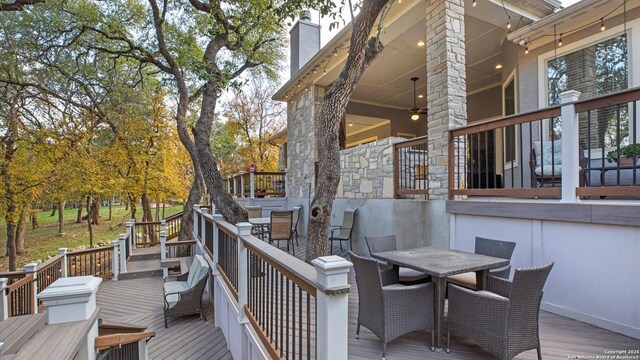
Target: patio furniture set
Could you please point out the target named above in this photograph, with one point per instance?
(401, 291)
(280, 225)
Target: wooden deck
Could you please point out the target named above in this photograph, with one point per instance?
(139, 301)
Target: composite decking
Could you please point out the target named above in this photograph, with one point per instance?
(139, 302)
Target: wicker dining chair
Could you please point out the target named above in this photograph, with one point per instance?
(504, 318)
(296, 219)
(344, 232)
(496, 248)
(280, 228)
(382, 243)
(387, 308)
(254, 211)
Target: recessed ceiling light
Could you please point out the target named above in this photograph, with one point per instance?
(420, 96)
(350, 124)
(498, 66)
(420, 43)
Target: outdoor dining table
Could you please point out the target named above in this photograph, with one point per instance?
(261, 223)
(440, 263)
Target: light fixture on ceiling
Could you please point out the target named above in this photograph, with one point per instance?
(526, 48)
(420, 43)
(498, 66)
(602, 27)
(350, 124)
(560, 41)
(474, 3)
(420, 96)
(415, 110)
(508, 24)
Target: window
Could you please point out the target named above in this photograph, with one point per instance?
(598, 69)
(510, 138)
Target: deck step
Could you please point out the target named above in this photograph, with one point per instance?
(148, 253)
(141, 268)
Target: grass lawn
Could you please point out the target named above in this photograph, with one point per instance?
(44, 241)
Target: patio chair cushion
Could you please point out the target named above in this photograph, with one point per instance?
(198, 270)
(410, 275)
(174, 287)
(545, 157)
(555, 170)
(467, 279)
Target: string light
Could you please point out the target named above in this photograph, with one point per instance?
(508, 24)
(602, 27)
(560, 40)
(526, 48)
(474, 3)
(335, 52)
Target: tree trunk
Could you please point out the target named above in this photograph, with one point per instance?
(111, 199)
(11, 136)
(34, 220)
(147, 215)
(95, 211)
(126, 206)
(132, 207)
(53, 212)
(157, 210)
(89, 221)
(163, 204)
(20, 229)
(186, 222)
(11, 241)
(61, 217)
(362, 51)
(79, 216)
(224, 202)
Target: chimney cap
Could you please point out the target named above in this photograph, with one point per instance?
(305, 15)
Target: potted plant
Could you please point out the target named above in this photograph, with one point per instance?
(626, 155)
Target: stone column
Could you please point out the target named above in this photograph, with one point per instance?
(446, 86)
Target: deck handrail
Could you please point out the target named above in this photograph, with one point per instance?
(257, 184)
(410, 167)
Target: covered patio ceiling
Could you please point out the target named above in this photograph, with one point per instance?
(387, 81)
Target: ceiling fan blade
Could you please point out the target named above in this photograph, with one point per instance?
(423, 111)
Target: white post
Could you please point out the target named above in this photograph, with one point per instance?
(115, 259)
(332, 304)
(196, 221)
(202, 224)
(570, 146)
(252, 182)
(123, 253)
(241, 185)
(132, 238)
(216, 218)
(244, 229)
(31, 268)
(4, 300)
(163, 252)
(63, 265)
(235, 186)
(143, 351)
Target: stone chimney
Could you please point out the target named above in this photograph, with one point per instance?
(305, 41)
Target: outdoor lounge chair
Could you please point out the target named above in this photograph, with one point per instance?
(388, 243)
(546, 164)
(344, 232)
(387, 308)
(504, 318)
(489, 247)
(296, 219)
(280, 228)
(184, 295)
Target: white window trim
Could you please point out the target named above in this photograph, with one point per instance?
(633, 54)
(516, 161)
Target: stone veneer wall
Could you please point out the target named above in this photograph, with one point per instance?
(366, 171)
(301, 141)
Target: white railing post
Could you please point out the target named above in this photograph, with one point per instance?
(4, 300)
(196, 221)
(115, 259)
(244, 229)
(123, 253)
(235, 186)
(31, 268)
(252, 182)
(332, 304)
(132, 238)
(143, 351)
(216, 218)
(241, 185)
(63, 265)
(163, 251)
(570, 146)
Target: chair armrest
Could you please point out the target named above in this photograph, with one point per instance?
(409, 301)
(181, 277)
(502, 272)
(498, 286)
(194, 291)
(477, 312)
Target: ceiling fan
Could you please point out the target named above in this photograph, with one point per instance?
(415, 110)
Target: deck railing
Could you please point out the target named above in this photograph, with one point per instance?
(258, 184)
(410, 167)
(147, 233)
(283, 299)
(96, 262)
(50, 271)
(173, 224)
(21, 296)
(557, 152)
